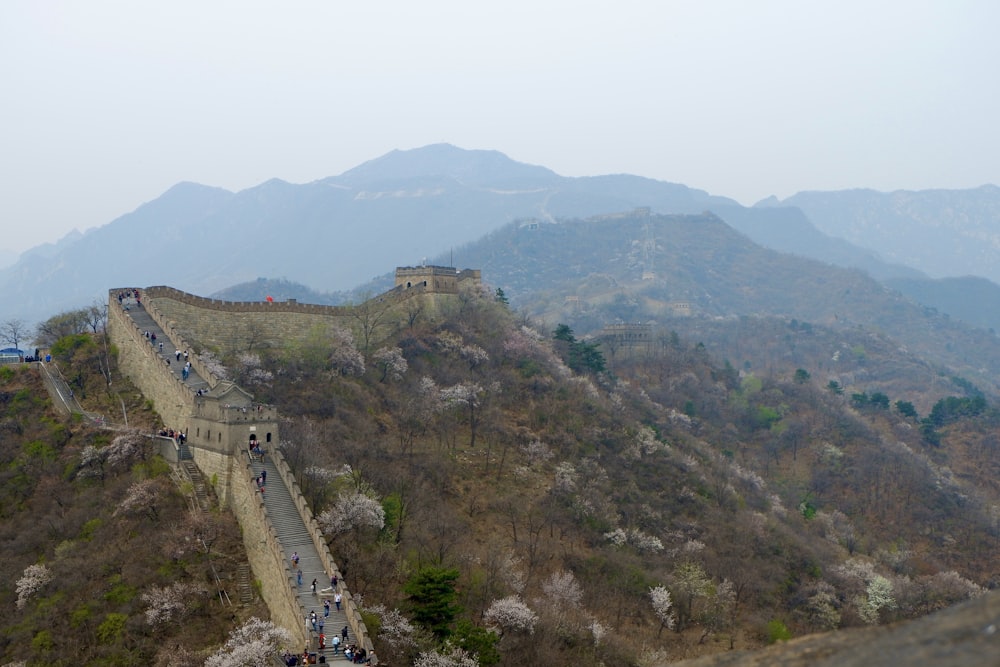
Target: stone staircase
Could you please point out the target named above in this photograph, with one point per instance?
(168, 353)
(198, 482)
(291, 530)
(295, 538)
(244, 587)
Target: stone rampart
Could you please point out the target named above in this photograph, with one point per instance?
(137, 356)
(267, 559)
(358, 629)
(220, 432)
(237, 326)
(228, 327)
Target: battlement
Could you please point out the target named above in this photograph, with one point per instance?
(438, 279)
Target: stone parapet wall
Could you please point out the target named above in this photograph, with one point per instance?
(180, 343)
(267, 559)
(171, 399)
(358, 629)
(231, 327)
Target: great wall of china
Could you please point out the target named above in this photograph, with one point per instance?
(220, 418)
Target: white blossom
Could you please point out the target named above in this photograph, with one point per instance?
(391, 362)
(473, 355)
(140, 498)
(598, 630)
(617, 537)
(879, 597)
(213, 365)
(636, 539)
(565, 477)
(958, 587)
(394, 628)
(536, 450)
(456, 657)
(647, 441)
(90, 455)
(448, 341)
(749, 476)
(521, 343)
(352, 510)
(856, 569)
(34, 578)
(251, 645)
(168, 604)
(325, 474)
(124, 449)
(344, 355)
(510, 614)
(430, 397)
(250, 370)
(563, 589)
(663, 606)
(462, 394)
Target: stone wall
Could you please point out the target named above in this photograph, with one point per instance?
(358, 629)
(267, 559)
(219, 437)
(137, 357)
(229, 327)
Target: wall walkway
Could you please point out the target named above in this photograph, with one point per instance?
(275, 522)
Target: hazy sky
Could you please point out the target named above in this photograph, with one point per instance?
(105, 105)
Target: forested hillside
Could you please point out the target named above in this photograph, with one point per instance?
(106, 560)
(493, 488)
(499, 492)
(639, 268)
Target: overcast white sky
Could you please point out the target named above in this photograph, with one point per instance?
(105, 105)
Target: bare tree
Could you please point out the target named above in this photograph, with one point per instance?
(371, 316)
(466, 396)
(58, 326)
(13, 331)
(414, 310)
(96, 316)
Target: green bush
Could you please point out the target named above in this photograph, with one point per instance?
(42, 642)
(777, 632)
(111, 628)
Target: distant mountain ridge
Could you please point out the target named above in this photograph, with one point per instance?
(336, 233)
(944, 233)
(330, 234)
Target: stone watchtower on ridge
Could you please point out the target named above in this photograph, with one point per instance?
(436, 279)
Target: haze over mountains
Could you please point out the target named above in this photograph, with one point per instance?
(406, 206)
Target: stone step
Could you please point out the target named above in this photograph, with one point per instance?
(243, 584)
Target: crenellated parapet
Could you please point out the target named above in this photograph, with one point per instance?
(230, 327)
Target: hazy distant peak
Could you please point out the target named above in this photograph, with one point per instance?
(47, 250)
(768, 202)
(188, 188)
(471, 167)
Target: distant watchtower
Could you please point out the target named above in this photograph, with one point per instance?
(439, 279)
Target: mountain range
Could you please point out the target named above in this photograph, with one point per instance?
(336, 233)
